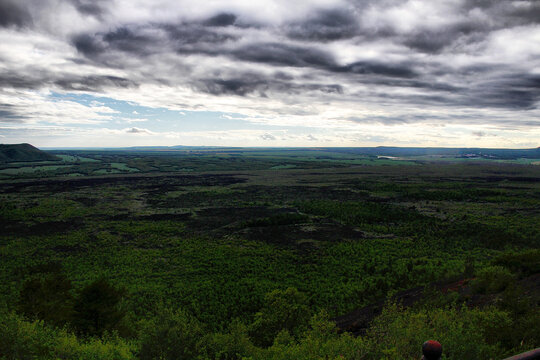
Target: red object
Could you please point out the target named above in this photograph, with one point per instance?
(432, 350)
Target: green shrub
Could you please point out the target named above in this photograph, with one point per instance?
(110, 348)
(235, 344)
(170, 335)
(21, 340)
(282, 310)
(525, 330)
(524, 263)
(98, 308)
(320, 341)
(47, 297)
(493, 279)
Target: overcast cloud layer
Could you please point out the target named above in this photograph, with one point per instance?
(270, 73)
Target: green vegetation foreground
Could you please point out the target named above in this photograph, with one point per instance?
(255, 264)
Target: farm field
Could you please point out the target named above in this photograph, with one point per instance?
(226, 254)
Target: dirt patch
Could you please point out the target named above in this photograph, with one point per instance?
(157, 182)
(283, 194)
(192, 199)
(524, 179)
(86, 201)
(271, 225)
(228, 219)
(171, 217)
(44, 228)
(297, 234)
(152, 217)
(69, 249)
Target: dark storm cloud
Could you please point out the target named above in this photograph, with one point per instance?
(223, 19)
(513, 91)
(192, 38)
(235, 86)
(141, 41)
(427, 85)
(280, 54)
(95, 8)
(435, 40)
(88, 45)
(94, 83)
(243, 84)
(9, 115)
(284, 55)
(25, 80)
(508, 13)
(37, 80)
(127, 40)
(508, 91)
(529, 14)
(196, 39)
(379, 68)
(14, 13)
(325, 25)
(121, 39)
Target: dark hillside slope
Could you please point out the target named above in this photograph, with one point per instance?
(23, 152)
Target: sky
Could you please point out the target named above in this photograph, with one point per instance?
(317, 73)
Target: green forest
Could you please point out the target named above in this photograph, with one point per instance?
(267, 255)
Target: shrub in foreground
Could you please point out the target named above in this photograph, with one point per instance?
(21, 340)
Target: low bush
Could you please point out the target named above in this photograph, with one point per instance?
(493, 279)
(28, 340)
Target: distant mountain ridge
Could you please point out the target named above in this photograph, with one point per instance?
(23, 152)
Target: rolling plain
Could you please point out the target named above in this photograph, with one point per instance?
(217, 253)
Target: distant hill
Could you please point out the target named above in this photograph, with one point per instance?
(23, 152)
